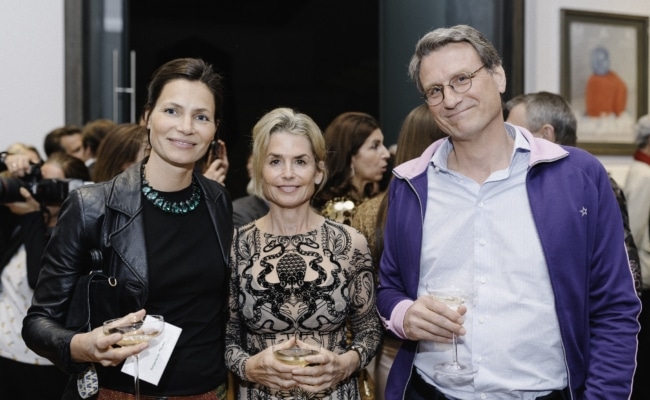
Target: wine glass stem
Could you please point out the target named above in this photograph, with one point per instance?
(136, 376)
(455, 346)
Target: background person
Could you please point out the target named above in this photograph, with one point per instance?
(169, 232)
(530, 227)
(123, 146)
(251, 207)
(296, 274)
(549, 116)
(92, 135)
(637, 192)
(356, 160)
(26, 375)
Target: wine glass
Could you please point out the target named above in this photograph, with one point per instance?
(135, 332)
(453, 297)
(296, 355)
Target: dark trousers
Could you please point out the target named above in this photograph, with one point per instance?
(641, 388)
(20, 381)
(418, 389)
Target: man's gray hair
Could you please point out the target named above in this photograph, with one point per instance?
(441, 37)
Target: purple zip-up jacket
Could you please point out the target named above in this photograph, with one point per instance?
(596, 304)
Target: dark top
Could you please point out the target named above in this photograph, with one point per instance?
(187, 286)
(247, 209)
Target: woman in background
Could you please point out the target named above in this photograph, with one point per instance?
(356, 161)
(124, 145)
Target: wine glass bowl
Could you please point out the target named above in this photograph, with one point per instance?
(453, 297)
(294, 356)
(135, 332)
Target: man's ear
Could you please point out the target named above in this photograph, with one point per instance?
(548, 132)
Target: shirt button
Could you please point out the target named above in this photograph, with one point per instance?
(480, 205)
(483, 396)
(482, 242)
(481, 320)
(483, 280)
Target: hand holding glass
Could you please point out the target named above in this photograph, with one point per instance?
(453, 297)
(135, 332)
(295, 355)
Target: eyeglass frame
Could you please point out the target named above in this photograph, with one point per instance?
(469, 76)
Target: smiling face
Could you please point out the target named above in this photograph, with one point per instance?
(289, 170)
(370, 161)
(182, 122)
(463, 115)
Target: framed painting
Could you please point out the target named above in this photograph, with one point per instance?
(604, 76)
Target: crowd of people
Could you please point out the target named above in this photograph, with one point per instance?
(339, 253)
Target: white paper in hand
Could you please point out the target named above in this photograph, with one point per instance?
(154, 359)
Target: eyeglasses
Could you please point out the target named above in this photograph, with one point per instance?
(460, 83)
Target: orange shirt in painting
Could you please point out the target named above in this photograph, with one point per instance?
(605, 94)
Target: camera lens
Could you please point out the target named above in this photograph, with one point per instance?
(10, 189)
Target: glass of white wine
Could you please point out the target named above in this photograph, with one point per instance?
(453, 297)
(296, 355)
(135, 332)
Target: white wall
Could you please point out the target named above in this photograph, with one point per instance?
(32, 97)
(542, 49)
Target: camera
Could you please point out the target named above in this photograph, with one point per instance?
(45, 191)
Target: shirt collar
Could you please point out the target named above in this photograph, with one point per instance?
(439, 158)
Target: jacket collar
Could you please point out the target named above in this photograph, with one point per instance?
(541, 150)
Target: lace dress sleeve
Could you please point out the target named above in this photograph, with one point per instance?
(236, 355)
(367, 331)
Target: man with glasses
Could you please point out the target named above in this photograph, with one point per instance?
(529, 230)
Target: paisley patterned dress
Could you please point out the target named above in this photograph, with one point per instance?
(309, 283)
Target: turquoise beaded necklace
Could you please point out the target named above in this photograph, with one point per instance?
(172, 207)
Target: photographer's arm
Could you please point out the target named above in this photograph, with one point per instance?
(33, 231)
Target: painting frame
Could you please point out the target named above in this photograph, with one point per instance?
(627, 36)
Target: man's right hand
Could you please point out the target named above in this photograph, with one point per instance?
(431, 319)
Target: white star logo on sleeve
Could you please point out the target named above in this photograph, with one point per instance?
(583, 211)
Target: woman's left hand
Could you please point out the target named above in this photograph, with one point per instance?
(218, 168)
(327, 369)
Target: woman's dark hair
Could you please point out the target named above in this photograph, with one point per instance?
(119, 148)
(191, 69)
(343, 138)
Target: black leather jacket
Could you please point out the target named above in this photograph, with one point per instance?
(80, 228)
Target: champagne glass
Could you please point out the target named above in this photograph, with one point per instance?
(295, 355)
(453, 297)
(135, 332)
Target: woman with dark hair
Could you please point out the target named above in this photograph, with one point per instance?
(356, 160)
(123, 146)
(20, 265)
(164, 232)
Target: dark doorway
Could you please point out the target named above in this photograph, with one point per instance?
(319, 57)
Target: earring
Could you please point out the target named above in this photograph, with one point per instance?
(351, 170)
